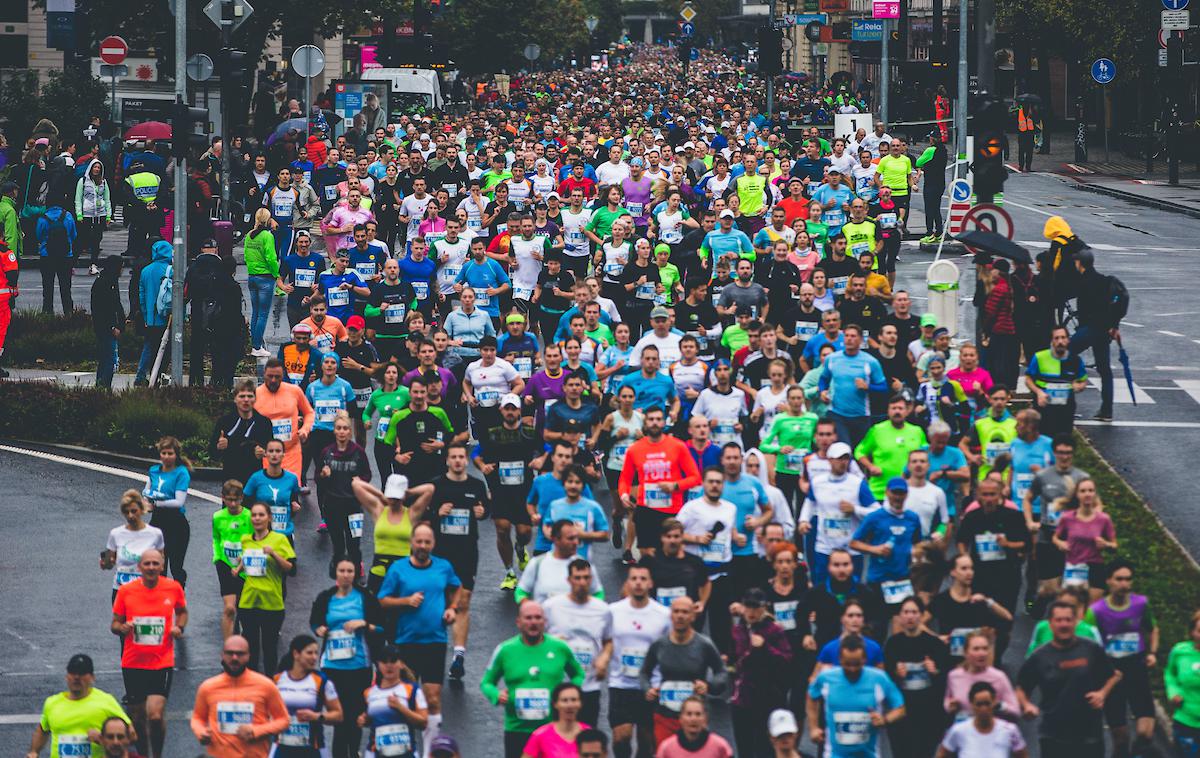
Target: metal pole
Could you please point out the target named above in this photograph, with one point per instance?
(179, 266)
(114, 97)
(226, 137)
(307, 108)
(885, 71)
(1104, 118)
(960, 107)
(985, 51)
(771, 78)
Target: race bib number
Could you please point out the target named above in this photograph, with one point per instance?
(297, 734)
(74, 745)
(232, 550)
(482, 298)
(355, 522)
(281, 517)
(457, 522)
(451, 188)
(656, 498)
(532, 703)
(631, 660)
(613, 270)
(305, 277)
(524, 366)
(994, 450)
(338, 297)
(125, 577)
(392, 740)
(522, 293)
(449, 274)
(672, 236)
(1075, 575)
(323, 342)
(326, 410)
(487, 397)
(1021, 483)
(715, 551)
(785, 613)
(421, 290)
(149, 630)
(672, 694)
(794, 460)
(836, 528)
(1058, 393)
(988, 547)
(254, 561)
(806, 330)
(724, 432)
(584, 652)
(851, 727)
(858, 248)
(331, 192)
(838, 284)
(887, 220)
(833, 218)
(916, 677)
(813, 187)
(958, 641)
(365, 269)
(394, 314)
(1123, 645)
(281, 429)
(666, 595)
(635, 209)
(231, 715)
(362, 395)
(512, 473)
(340, 645)
(616, 456)
(897, 591)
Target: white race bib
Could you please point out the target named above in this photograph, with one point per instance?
(532, 703)
(838, 284)
(366, 269)
(362, 395)
(340, 645)
(1122, 645)
(1075, 575)
(254, 561)
(232, 714)
(74, 745)
(1058, 393)
(806, 330)
(988, 547)
(297, 733)
(233, 551)
(512, 473)
(584, 652)
(672, 694)
(785, 613)
(392, 739)
(916, 676)
(851, 727)
(487, 397)
(355, 522)
(521, 292)
(524, 366)
(149, 630)
(281, 517)
(326, 410)
(421, 290)
(958, 641)
(836, 528)
(394, 314)
(631, 660)
(457, 522)
(305, 277)
(338, 297)
(897, 591)
(666, 595)
(656, 498)
(482, 298)
(282, 429)
(724, 432)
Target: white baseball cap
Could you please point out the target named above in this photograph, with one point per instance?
(838, 449)
(727, 214)
(396, 487)
(781, 722)
(510, 399)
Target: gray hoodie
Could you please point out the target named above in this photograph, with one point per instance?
(92, 199)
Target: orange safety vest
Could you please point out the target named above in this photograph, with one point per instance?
(1024, 122)
(8, 262)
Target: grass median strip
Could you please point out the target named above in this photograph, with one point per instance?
(1163, 570)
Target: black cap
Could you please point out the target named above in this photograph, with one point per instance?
(488, 341)
(754, 598)
(208, 242)
(80, 664)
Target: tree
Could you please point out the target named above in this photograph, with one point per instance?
(70, 98)
(488, 36)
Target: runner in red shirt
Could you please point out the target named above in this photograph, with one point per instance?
(149, 614)
(664, 470)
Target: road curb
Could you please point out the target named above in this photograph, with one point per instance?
(136, 463)
(1130, 197)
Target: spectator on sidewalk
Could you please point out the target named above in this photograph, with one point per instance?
(1000, 330)
(10, 221)
(154, 304)
(200, 290)
(93, 212)
(226, 326)
(56, 235)
(108, 319)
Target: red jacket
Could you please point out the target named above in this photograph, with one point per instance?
(998, 309)
(317, 150)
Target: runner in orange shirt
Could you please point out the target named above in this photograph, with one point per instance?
(237, 712)
(149, 613)
(290, 412)
(665, 471)
(327, 330)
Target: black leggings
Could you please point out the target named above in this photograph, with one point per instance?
(261, 630)
(789, 485)
(337, 511)
(177, 533)
(385, 456)
(750, 732)
(318, 440)
(347, 736)
(932, 193)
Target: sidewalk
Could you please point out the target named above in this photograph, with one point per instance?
(1119, 176)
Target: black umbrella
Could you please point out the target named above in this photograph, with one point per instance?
(1029, 98)
(979, 240)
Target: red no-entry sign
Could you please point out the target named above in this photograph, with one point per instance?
(113, 50)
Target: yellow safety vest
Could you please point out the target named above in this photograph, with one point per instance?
(144, 185)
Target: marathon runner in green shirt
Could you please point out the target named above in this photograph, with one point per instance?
(228, 526)
(531, 665)
(789, 439)
(72, 719)
(895, 170)
(883, 453)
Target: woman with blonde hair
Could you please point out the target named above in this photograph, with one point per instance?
(166, 489)
(979, 666)
(262, 270)
(127, 542)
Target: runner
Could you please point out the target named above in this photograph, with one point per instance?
(585, 623)
(342, 617)
(126, 543)
(838, 501)
(424, 589)
(388, 398)
(485, 381)
(984, 734)
(664, 470)
(290, 413)
(266, 558)
(503, 456)
(530, 665)
(1183, 687)
(888, 535)
(762, 658)
(396, 707)
(420, 433)
(240, 437)
(237, 712)
(328, 396)
(278, 488)
(621, 428)
(457, 504)
(637, 621)
(311, 698)
(338, 465)
(917, 661)
(853, 701)
(688, 664)
(548, 574)
(229, 525)
(959, 609)
(548, 488)
(584, 512)
(72, 719)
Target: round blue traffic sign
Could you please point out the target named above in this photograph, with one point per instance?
(960, 191)
(687, 28)
(695, 54)
(1175, 5)
(1104, 70)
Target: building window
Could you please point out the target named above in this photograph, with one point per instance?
(14, 51)
(14, 11)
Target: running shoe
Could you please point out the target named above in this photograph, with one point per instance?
(618, 533)
(322, 528)
(627, 558)
(93, 269)
(510, 582)
(522, 557)
(458, 667)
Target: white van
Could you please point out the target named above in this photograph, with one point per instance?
(413, 90)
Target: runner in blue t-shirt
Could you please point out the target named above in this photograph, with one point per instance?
(424, 589)
(856, 701)
(341, 286)
(278, 488)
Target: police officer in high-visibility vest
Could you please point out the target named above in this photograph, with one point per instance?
(142, 210)
(1024, 138)
(1054, 376)
(992, 434)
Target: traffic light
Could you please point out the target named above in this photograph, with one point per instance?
(939, 55)
(812, 31)
(770, 51)
(987, 162)
(183, 134)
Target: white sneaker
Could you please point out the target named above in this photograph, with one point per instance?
(94, 269)
(260, 353)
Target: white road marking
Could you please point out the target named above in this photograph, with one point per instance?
(1029, 208)
(1142, 424)
(1169, 333)
(1121, 392)
(100, 468)
(1080, 169)
(1176, 313)
(16, 719)
(1130, 323)
(1190, 386)
(1177, 368)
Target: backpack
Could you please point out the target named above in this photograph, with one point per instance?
(211, 311)
(162, 303)
(1117, 298)
(58, 242)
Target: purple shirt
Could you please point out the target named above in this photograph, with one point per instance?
(1081, 535)
(1117, 628)
(449, 383)
(542, 388)
(637, 198)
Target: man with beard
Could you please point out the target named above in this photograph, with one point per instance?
(241, 697)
